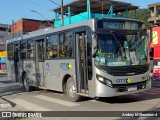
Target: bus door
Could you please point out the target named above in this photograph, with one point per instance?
(81, 64)
(39, 62)
(16, 60)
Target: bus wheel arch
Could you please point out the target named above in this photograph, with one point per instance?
(71, 90)
(64, 83)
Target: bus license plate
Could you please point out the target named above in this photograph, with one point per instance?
(132, 88)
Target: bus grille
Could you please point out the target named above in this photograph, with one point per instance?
(128, 71)
(124, 87)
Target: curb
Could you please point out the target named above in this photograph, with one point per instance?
(4, 104)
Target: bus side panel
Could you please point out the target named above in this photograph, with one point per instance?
(20, 71)
(11, 69)
(29, 69)
(56, 70)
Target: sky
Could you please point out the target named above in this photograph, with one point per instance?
(13, 10)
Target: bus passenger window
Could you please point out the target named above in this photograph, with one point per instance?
(62, 52)
(10, 51)
(55, 52)
(52, 49)
(23, 49)
(30, 49)
(65, 46)
(52, 52)
(30, 54)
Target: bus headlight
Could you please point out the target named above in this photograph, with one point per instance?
(104, 81)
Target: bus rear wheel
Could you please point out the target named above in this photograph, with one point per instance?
(71, 91)
(26, 86)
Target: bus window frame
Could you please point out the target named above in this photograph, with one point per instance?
(23, 49)
(58, 34)
(8, 44)
(30, 49)
(72, 44)
(46, 47)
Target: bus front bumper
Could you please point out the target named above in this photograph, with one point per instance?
(103, 90)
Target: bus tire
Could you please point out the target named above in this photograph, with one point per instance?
(71, 91)
(26, 86)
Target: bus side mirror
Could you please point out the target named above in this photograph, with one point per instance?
(95, 46)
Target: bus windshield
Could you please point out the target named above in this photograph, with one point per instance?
(122, 49)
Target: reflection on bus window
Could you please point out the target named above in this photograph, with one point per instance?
(30, 54)
(122, 49)
(10, 51)
(61, 40)
(52, 49)
(30, 45)
(52, 52)
(65, 45)
(30, 49)
(65, 52)
(23, 49)
(23, 55)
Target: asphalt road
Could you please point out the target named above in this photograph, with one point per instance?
(9, 87)
(53, 101)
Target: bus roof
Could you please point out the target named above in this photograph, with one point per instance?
(51, 30)
(79, 6)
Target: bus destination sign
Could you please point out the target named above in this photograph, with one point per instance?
(112, 24)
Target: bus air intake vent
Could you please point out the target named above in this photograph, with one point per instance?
(128, 71)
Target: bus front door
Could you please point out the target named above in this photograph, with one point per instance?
(82, 65)
(39, 59)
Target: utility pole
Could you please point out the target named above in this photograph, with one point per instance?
(62, 20)
(13, 28)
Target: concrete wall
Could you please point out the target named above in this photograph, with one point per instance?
(155, 13)
(27, 25)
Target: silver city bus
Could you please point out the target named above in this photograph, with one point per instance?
(98, 57)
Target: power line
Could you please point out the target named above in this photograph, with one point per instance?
(55, 3)
(42, 17)
(38, 4)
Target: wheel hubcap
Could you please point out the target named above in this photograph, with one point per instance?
(72, 89)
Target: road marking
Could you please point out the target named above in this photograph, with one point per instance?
(29, 105)
(58, 101)
(94, 101)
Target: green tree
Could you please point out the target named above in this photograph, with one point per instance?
(141, 14)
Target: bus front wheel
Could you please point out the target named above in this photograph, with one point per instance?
(71, 91)
(26, 86)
